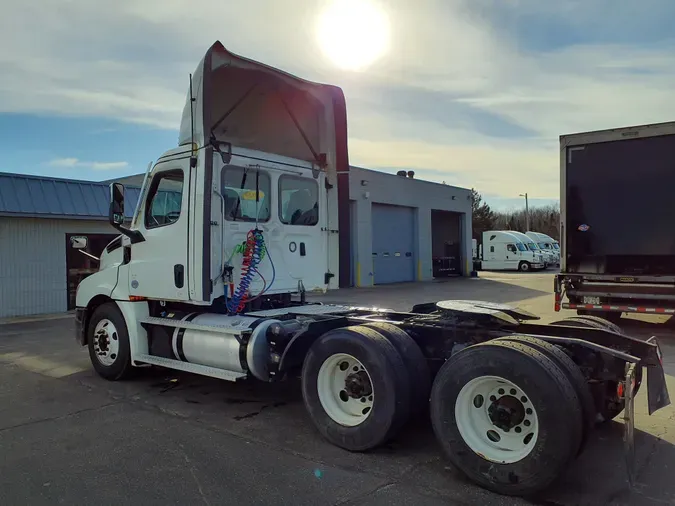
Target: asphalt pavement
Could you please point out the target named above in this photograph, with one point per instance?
(69, 437)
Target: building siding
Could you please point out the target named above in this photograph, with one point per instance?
(33, 278)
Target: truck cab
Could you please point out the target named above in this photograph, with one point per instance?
(258, 163)
(547, 245)
(547, 257)
(504, 250)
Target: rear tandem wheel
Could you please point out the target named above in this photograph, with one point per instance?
(573, 373)
(356, 388)
(506, 416)
(608, 411)
(415, 362)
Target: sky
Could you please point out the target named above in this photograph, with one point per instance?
(471, 92)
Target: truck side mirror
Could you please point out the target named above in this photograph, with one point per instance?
(79, 242)
(116, 212)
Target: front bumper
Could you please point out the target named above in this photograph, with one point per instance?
(81, 315)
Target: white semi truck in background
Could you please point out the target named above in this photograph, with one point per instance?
(203, 283)
(507, 250)
(546, 255)
(617, 209)
(547, 244)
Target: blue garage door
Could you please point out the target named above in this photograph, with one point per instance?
(393, 244)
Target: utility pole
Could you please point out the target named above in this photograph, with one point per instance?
(527, 213)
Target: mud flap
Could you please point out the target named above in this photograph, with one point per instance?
(657, 391)
(629, 421)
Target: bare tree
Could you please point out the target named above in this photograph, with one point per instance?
(545, 219)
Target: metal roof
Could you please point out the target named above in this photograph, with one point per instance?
(46, 197)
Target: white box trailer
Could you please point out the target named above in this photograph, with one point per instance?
(204, 282)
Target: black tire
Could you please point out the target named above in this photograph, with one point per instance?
(524, 267)
(607, 411)
(121, 367)
(390, 381)
(550, 393)
(416, 363)
(601, 322)
(610, 316)
(574, 375)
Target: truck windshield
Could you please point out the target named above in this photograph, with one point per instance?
(556, 245)
(521, 247)
(532, 246)
(544, 245)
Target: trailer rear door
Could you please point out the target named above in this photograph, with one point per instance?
(620, 205)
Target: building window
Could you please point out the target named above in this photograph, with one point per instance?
(238, 184)
(165, 199)
(298, 200)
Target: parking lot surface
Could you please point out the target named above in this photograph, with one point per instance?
(69, 437)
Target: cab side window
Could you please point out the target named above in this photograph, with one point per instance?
(239, 194)
(165, 198)
(298, 200)
(511, 248)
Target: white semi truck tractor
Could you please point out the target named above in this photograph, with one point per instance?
(249, 213)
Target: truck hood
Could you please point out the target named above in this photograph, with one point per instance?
(254, 106)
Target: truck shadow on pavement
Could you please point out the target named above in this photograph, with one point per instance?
(274, 414)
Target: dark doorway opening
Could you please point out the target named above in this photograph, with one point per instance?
(446, 244)
(79, 266)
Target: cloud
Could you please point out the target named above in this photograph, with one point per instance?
(64, 162)
(74, 162)
(472, 91)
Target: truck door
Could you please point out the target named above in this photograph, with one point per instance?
(489, 255)
(158, 267)
(302, 213)
(512, 257)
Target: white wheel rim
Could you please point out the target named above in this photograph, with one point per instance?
(345, 390)
(487, 400)
(106, 342)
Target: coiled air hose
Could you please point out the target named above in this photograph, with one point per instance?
(254, 250)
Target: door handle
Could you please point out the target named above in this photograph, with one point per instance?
(178, 275)
(303, 251)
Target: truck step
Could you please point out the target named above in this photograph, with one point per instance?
(224, 329)
(203, 370)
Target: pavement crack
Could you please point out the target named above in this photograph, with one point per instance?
(54, 418)
(193, 472)
(359, 497)
(256, 413)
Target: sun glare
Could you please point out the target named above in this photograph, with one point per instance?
(353, 33)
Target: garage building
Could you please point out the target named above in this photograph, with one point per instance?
(406, 229)
(401, 229)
